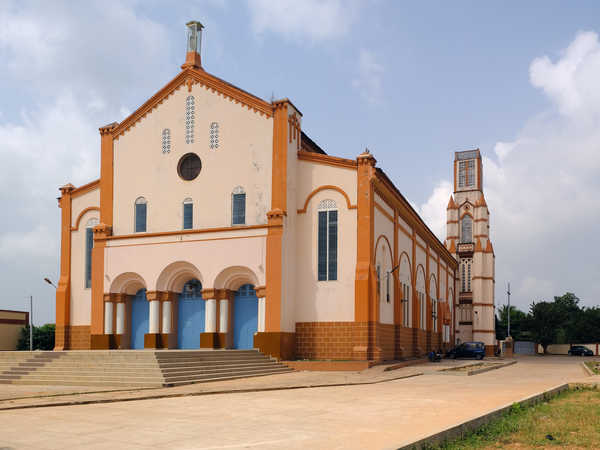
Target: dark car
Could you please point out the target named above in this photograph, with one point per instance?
(580, 350)
(468, 350)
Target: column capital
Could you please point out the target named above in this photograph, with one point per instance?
(153, 296)
(224, 294)
(109, 297)
(120, 298)
(209, 294)
(261, 291)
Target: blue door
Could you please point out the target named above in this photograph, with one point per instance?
(190, 316)
(139, 319)
(245, 317)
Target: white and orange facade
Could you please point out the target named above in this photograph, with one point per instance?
(468, 239)
(339, 263)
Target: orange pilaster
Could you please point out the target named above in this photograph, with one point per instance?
(63, 291)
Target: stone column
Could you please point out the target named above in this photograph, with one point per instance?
(152, 338)
(108, 314)
(225, 298)
(210, 339)
(260, 293)
(168, 328)
(121, 313)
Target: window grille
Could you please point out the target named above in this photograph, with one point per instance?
(327, 241)
(192, 289)
(140, 215)
(214, 136)
(188, 214)
(189, 119)
(466, 230)
(89, 244)
(238, 206)
(166, 141)
(406, 304)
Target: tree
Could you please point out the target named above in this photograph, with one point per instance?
(517, 322)
(543, 321)
(43, 337)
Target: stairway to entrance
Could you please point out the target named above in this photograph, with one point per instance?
(134, 368)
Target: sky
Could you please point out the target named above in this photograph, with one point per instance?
(412, 81)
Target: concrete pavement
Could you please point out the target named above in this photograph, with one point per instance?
(383, 415)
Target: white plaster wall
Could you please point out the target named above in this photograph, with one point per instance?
(322, 301)
(312, 175)
(381, 202)
(405, 224)
(384, 227)
(79, 203)
(81, 297)
(404, 244)
(209, 254)
(290, 231)
(243, 158)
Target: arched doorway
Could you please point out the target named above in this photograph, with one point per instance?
(139, 319)
(245, 317)
(190, 315)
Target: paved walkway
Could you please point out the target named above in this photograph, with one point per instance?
(383, 415)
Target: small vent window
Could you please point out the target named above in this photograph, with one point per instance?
(214, 136)
(166, 141)
(189, 119)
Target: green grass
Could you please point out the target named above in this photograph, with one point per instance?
(571, 418)
(593, 365)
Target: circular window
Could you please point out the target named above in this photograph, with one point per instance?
(189, 166)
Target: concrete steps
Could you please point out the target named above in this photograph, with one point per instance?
(130, 368)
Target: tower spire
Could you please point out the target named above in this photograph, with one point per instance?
(194, 44)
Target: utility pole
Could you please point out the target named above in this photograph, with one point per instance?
(31, 323)
(508, 293)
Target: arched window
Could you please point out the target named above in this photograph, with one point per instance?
(214, 136)
(188, 214)
(238, 206)
(140, 215)
(327, 240)
(466, 234)
(89, 244)
(192, 289)
(189, 119)
(166, 141)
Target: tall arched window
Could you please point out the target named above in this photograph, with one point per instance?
(140, 215)
(89, 244)
(327, 240)
(466, 233)
(188, 214)
(189, 119)
(238, 206)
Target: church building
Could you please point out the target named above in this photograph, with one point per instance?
(218, 223)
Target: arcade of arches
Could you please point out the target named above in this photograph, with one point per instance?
(183, 314)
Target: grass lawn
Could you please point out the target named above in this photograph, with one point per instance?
(572, 419)
(594, 365)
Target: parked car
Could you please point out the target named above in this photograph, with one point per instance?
(468, 350)
(580, 350)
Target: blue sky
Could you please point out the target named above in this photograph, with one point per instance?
(413, 82)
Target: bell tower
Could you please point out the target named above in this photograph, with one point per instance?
(468, 239)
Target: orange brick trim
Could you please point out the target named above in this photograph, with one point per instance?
(327, 159)
(382, 210)
(91, 186)
(323, 188)
(183, 232)
(81, 214)
(189, 77)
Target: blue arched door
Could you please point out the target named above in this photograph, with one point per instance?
(190, 316)
(245, 317)
(139, 319)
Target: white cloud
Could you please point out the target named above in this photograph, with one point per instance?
(542, 187)
(69, 69)
(430, 210)
(369, 80)
(315, 20)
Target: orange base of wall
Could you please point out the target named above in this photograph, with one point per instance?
(330, 366)
(362, 341)
(76, 337)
